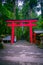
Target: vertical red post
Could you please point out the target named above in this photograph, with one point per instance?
(34, 38)
(31, 33)
(12, 34)
(31, 40)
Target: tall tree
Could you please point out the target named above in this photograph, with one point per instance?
(28, 8)
(25, 10)
(42, 8)
(32, 3)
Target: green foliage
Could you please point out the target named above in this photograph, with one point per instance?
(6, 12)
(2, 27)
(32, 15)
(1, 46)
(32, 3)
(41, 46)
(0, 1)
(18, 32)
(39, 24)
(25, 11)
(10, 11)
(41, 34)
(17, 14)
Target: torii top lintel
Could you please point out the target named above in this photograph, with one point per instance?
(31, 20)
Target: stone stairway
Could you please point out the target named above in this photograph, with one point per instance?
(21, 54)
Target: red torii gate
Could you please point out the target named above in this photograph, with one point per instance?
(13, 24)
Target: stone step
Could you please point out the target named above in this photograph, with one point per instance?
(22, 58)
(19, 63)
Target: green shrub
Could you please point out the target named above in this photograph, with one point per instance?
(41, 46)
(1, 46)
(41, 34)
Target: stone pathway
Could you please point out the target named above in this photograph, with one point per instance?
(21, 53)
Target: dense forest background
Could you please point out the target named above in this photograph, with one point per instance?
(20, 9)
